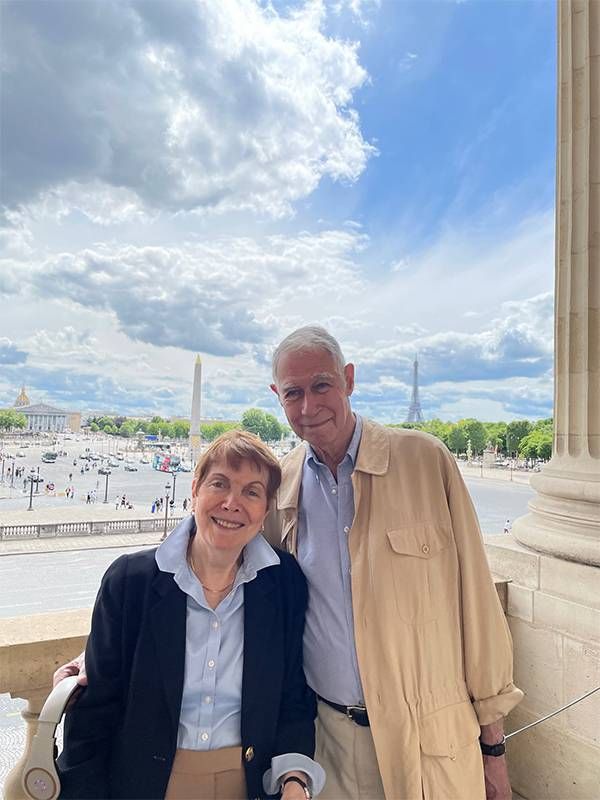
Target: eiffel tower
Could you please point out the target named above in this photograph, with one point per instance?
(414, 410)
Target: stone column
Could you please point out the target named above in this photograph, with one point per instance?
(564, 517)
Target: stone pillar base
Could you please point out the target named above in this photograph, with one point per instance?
(564, 517)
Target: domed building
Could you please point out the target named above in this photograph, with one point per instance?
(22, 399)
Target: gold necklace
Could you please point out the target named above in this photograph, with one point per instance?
(207, 588)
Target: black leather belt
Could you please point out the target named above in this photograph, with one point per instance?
(357, 714)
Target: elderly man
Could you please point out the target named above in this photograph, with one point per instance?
(405, 642)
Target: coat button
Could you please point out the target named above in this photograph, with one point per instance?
(425, 549)
(249, 754)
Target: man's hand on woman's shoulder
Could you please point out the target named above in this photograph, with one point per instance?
(74, 667)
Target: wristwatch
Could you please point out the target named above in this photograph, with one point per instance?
(303, 784)
(493, 749)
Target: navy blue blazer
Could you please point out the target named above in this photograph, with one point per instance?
(121, 734)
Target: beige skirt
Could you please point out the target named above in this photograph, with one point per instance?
(207, 775)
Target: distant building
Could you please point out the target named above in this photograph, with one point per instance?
(43, 418)
(22, 399)
(48, 419)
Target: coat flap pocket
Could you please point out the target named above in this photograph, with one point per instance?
(421, 540)
(448, 729)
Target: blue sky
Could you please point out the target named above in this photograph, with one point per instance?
(183, 177)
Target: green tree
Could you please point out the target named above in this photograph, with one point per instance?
(495, 432)
(94, 427)
(474, 430)
(127, 428)
(211, 430)
(515, 431)
(262, 424)
(181, 429)
(537, 444)
(457, 440)
(11, 419)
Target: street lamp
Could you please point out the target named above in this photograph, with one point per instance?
(37, 483)
(174, 476)
(12, 474)
(167, 490)
(31, 480)
(3, 461)
(107, 473)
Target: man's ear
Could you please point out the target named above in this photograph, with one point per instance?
(274, 389)
(349, 378)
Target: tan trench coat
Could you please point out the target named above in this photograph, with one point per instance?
(434, 650)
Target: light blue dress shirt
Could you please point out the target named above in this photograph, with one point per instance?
(325, 515)
(211, 704)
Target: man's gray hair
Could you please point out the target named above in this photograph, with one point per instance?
(309, 337)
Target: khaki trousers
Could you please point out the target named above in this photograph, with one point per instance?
(346, 752)
(207, 775)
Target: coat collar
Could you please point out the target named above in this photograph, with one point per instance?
(373, 458)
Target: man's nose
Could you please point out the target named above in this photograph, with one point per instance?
(308, 404)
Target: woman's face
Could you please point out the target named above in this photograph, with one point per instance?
(230, 505)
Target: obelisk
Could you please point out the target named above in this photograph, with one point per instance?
(195, 436)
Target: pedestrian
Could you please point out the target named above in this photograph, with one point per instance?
(507, 526)
(88, 499)
(117, 503)
(153, 509)
(185, 503)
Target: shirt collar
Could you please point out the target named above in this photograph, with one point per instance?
(312, 458)
(171, 555)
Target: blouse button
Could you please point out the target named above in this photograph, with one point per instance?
(249, 754)
(425, 549)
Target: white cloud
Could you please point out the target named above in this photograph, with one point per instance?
(121, 105)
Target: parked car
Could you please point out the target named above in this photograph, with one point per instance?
(130, 466)
(183, 467)
(103, 471)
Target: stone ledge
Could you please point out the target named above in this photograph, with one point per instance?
(512, 560)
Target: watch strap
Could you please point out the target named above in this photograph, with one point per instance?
(303, 784)
(493, 749)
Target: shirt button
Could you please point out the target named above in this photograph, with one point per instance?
(334, 491)
(208, 699)
(425, 548)
(204, 737)
(211, 664)
(346, 529)
(215, 624)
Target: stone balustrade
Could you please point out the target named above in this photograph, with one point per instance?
(85, 528)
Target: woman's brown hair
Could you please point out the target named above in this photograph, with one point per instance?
(236, 446)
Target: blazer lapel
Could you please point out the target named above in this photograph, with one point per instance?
(168, 616)
(260, 610)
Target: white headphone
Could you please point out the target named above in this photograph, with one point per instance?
(39, 778)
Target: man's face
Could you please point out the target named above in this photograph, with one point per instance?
(314, 396)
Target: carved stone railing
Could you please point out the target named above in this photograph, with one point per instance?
(9, 533)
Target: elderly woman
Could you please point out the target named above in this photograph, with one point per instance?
(194, 661)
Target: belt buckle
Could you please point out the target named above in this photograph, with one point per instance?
(351, 710)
